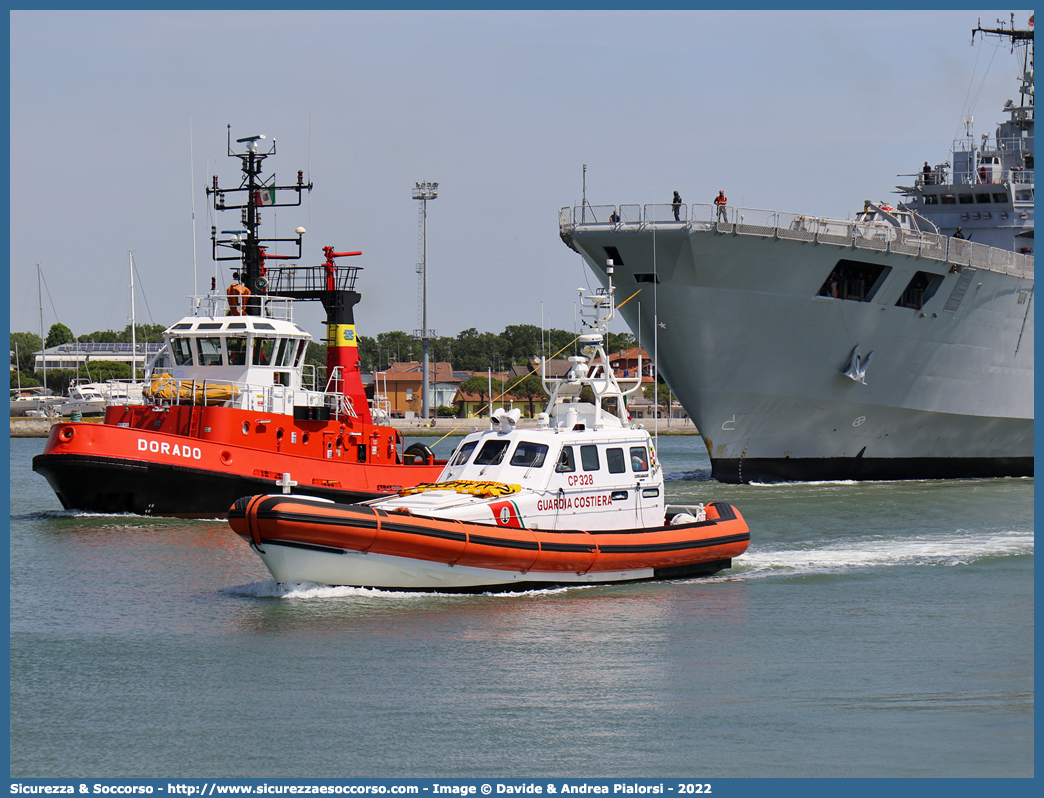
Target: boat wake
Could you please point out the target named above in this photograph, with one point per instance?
(310, 590)
(959, 548)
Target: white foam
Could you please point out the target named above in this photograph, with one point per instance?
(958, 548)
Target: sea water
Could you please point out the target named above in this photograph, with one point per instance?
(872, 629)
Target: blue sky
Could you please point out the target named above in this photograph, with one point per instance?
(801, 111)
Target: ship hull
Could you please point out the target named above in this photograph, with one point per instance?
(196, 461)
(757, 356)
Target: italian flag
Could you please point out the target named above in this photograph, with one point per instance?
(266, 196)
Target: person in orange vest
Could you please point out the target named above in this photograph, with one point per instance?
(721, 201)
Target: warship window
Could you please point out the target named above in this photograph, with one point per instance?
(983, 198)
(639, 458)
(646, 277)
(614, 254)
(529, 455)
(182, 351)
(614, 458)
(565, 460)
(1024, 195)
(463, 453)
(589, 458)
(491, 453)
(949, 199)
(930, 199)
(237, 349)
(1000, 197)
(263, 349)
(921, 288)
(855, 280)
(209, 350)
(965, 199)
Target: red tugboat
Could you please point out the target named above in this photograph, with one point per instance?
(230, 409)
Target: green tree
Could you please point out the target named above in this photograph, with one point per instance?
(521, 343)
(663, 396)
(58, 380)
(617, 342)
(480, 385)
(27, 344)
(531, 389)
(59, 334)
(102, 370)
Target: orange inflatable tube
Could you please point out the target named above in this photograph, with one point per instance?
(723, 535)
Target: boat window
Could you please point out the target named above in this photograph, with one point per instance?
(1000, 197)
(463, 453)
(237, 349)
(983, 197)
(965, 199)
(263, 325)
(209, 350)
(182, 327)
(921, 288)
(639, 458)
(301, 347)
(589, 458)
(565, 460)
(182, 348)
(286, 348)
(491, 453)
(614, 458)
(209, 327)
(237, 325)
(263, 349)
(949, 199)
(529, 455)
(855, 280)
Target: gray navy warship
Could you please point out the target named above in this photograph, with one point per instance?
(895, 345)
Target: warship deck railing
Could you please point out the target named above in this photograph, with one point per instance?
(797, 227)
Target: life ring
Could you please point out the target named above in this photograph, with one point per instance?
(415, 450)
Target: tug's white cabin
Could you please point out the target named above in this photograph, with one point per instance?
(244, 361)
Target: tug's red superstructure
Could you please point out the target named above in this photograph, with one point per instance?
(230, 408)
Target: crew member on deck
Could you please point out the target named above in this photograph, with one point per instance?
(676, 204)
(721, 201)
(959, 234)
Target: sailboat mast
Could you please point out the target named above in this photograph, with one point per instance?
(43, 341)
(134, 340)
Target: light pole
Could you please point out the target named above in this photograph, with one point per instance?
(424, 192)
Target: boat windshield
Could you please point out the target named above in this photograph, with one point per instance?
(463, 453)
(529, 455)
(491, 452)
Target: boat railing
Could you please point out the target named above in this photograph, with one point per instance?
(876, 236)
(270, 307)
(165, 390)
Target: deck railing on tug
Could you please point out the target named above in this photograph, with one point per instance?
(798, 227)
(218, 305)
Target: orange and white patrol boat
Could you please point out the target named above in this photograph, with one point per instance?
(577, 500)
(229, 407)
